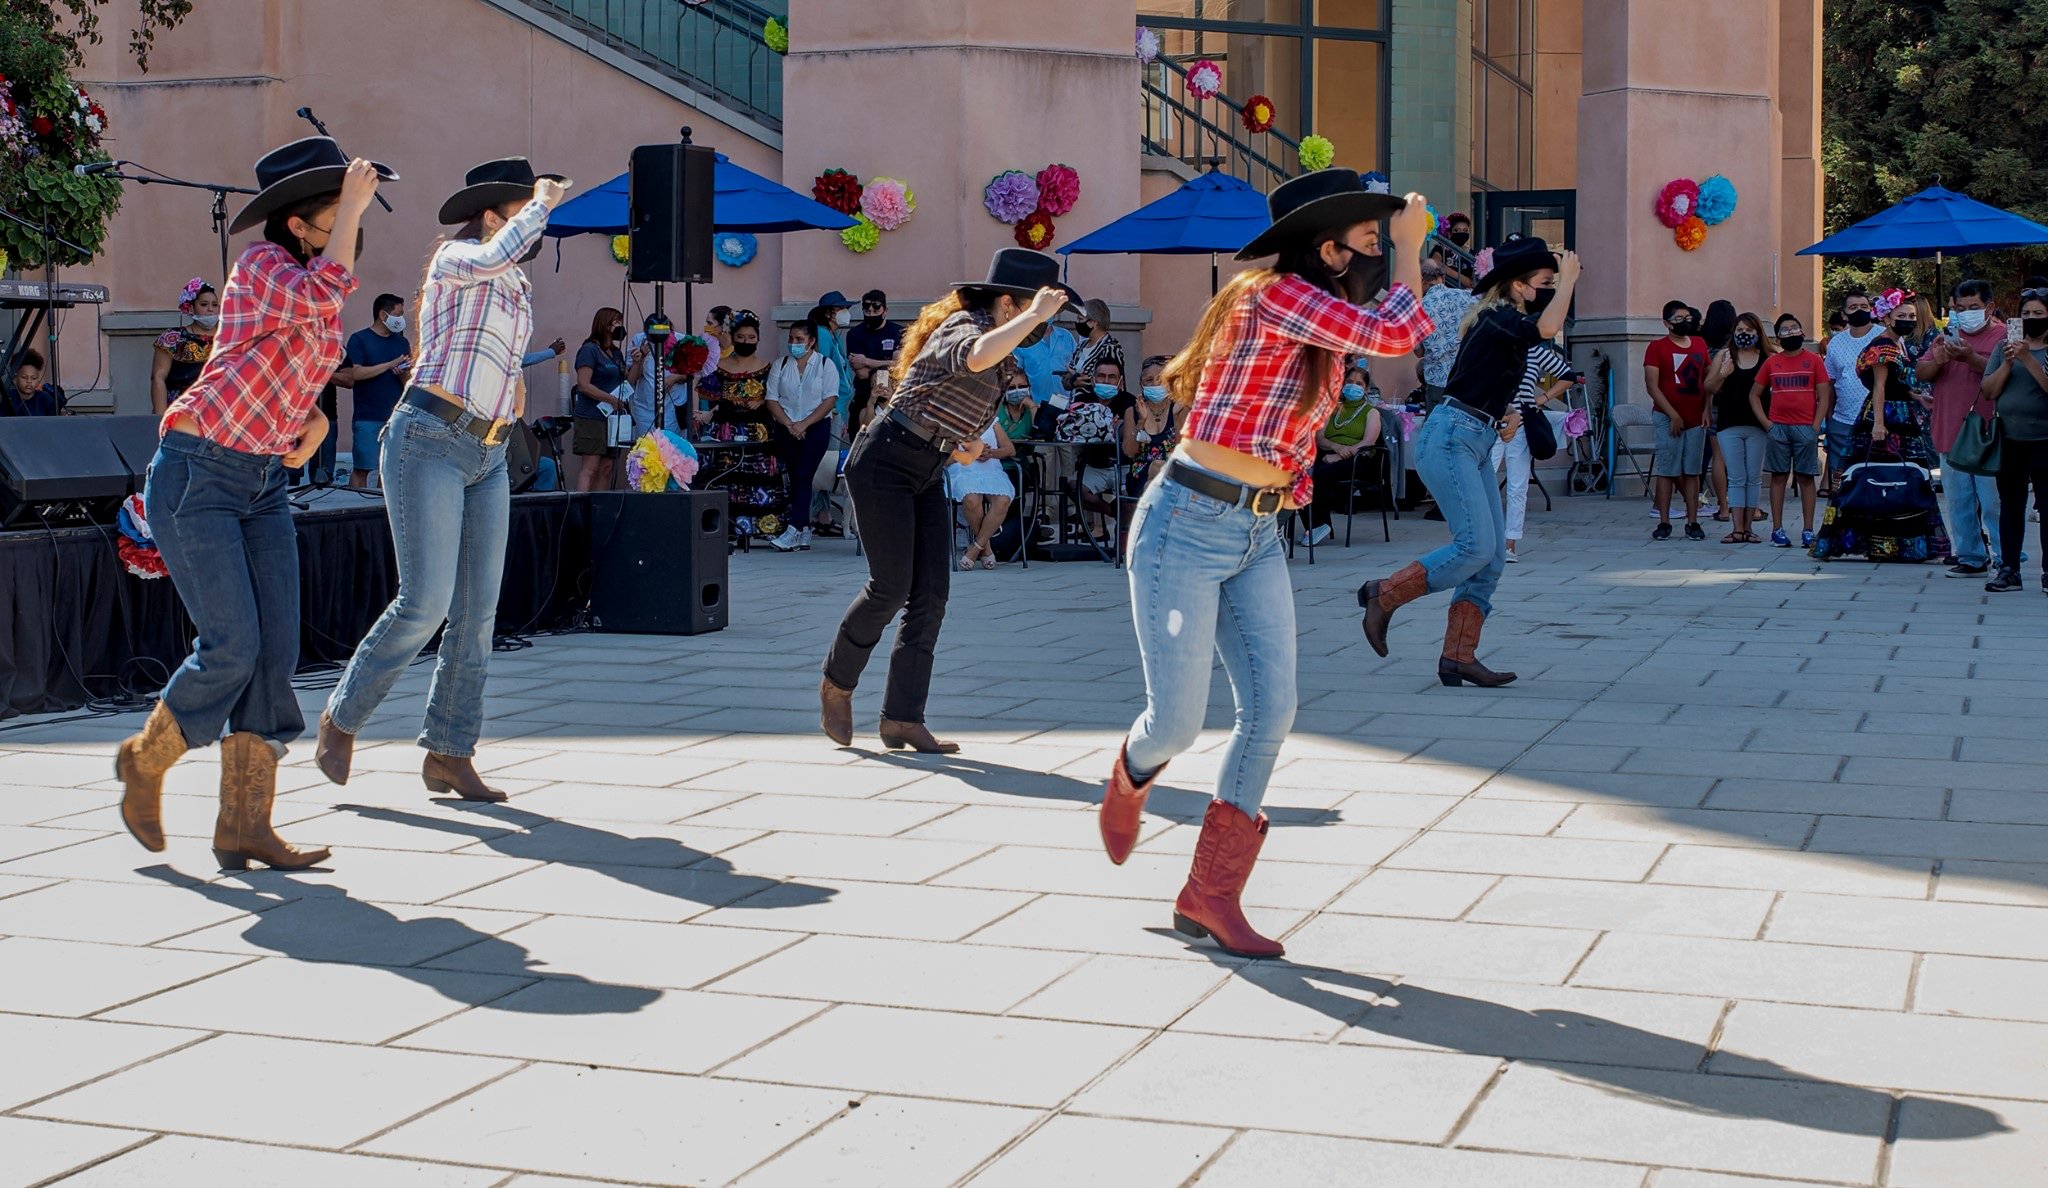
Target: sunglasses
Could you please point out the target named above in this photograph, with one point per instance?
(873, 305)
(2033, 295)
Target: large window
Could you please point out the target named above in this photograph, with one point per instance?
(1503, 94)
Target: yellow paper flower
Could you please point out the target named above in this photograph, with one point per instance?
(620, 247)
(1317, 152)
(862, 236)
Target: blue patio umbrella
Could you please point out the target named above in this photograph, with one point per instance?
(1214, 213)
(741, 200)
(1934, 222)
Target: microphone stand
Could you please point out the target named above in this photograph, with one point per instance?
(47, 232)
(306, 114)
(220, 203)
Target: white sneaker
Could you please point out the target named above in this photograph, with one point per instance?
(804, 540)
(1320, 534)
(786, 542)
(1512, 559)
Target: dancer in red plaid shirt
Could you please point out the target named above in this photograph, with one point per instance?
(1208, 575)
(216, 500)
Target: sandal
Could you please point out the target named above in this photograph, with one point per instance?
(1720, 517)
(967, 558)
(1751, 538)
(1734, 538)
(988, 558)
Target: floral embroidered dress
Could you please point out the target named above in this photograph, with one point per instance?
(188, 353)
(752, 478)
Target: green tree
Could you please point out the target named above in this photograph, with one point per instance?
(83, 27)
(1954, 91)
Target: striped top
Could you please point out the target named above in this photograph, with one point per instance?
(476, 313)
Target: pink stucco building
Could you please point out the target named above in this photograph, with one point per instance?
(1561, 117)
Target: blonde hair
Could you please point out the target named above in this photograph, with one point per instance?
(1499, 300)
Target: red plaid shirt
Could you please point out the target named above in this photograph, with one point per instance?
(280, 340)
(1250, 395)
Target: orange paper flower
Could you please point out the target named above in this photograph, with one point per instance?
(1691, 233)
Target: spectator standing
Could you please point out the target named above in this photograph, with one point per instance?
(2017, 379)
(1739, 425)
(832, 318)
(601, 368)
(180, 353)
(1953, 366)
(28, 395)
(1446, 305)
(1844, 348)
(378, 359)
(1792, 394)
(802, 388)
(870, 347)
(1545, 376)
(1674, 368)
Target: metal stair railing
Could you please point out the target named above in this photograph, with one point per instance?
(1198, 131)
(714, 48)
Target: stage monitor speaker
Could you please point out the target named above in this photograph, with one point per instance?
(668, 220)
(59, 471)
(658, 562)
(134, 439)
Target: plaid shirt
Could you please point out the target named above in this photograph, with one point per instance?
(1249, 398)
(476, 313)
(279, 342)
(937, 389)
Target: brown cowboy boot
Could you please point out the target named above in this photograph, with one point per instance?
(916, 736)
(1461, 643)
(1379, 599)
(334, 750)
(835, 712)
(448, 773)
(140, 764)
(1208, 905)
(1123, 809)
(248, 786)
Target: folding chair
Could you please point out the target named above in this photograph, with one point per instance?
(1620, 419)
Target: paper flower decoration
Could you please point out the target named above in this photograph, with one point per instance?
(1148, 46)
(734, 248)
(661, 460)
(690, 354)
(862, 236)
(888, 202)
(776, 34)
(1716, 200)
(1690, 234)
(1482, 264)
(1375, 182)
(1435, 220)
(1257, 114)
(1010, 195)
(1035, 231)
(1316, 152)
(838, 189)
(1888, 301)
(1205, 78)
(1577, 423)
(1676, 202)
(1059, 187)
(190, 293)
(621, 244)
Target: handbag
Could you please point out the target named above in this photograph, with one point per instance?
(1885, 491)
(618, 424)
(1976, 450)
(1541, 433)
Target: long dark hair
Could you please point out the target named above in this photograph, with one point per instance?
(1183, 374)
(599, 321)
(278, 227)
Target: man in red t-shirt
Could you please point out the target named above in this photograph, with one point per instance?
(1674, 369)
(1794, 385)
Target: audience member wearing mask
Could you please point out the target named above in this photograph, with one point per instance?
(1674, 367)
(1739, 427)
(1098, 462)
(1353, 426)
(801, 389)
(870, 347)
(601, 368)
(1953, 366)
(1043, 360)
(1097, 346)
(1150, 427)
(1859, 329)
(832, 318)
(1018, 410)
(2017, 380)
(177, 355)
(378, 359)
(1791, 394)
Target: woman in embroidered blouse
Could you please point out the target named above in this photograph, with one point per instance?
(182, 352)
(216, 501)
(1208, 575)
(1150, 428)
(445, 488)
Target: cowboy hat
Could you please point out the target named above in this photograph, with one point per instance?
(292, 173)
(493, 183)
(1516, 257)
(1326, 200)
(1021, 273)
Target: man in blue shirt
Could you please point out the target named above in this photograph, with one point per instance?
(870, 347)
(27, 395)
(1045, 365)
(378, 359)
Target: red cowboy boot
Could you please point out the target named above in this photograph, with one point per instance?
(1380, 598)
(1461, 644)
(1208, 905)
(1123, 809)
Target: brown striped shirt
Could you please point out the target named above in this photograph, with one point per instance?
(938, 391)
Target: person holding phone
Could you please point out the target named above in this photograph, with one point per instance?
(601, 369)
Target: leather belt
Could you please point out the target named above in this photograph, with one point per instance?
(1487, 419)
(923, 432)
(1263, 501)
(487, 431)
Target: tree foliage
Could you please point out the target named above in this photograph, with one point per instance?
(1954, 91)
(82, 28)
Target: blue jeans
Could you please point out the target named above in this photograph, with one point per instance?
(1454, 455)
(363, 448)
(450, 508)
(225, 531)
(1969, 502)
(1209, 579)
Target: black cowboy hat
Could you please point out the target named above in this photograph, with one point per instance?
(1516, 257)
(1326, 200)
(292, 173)
(1021, 273)
(493, 183)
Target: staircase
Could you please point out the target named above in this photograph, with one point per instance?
(1210, 132)
(714, 48)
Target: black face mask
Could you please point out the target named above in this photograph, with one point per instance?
(1363, 279)
(618, 334)
(2034, 327)
(1541, 301)
(1461, 238)
(743, 349)
(1792, 342)
(1859, 319)
(874, 321)
(1685, 327)
(1904, 328)
(1745, 340)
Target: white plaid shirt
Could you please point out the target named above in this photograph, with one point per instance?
(475, 315)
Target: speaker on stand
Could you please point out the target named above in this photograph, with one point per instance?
(669, 194)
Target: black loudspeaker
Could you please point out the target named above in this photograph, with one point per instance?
(135, 439)
(668, 202)
(658, 562)
(62, 470)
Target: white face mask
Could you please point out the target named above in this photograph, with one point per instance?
(206, 321)
(843, 318)
(395, 323)
(1969, 321)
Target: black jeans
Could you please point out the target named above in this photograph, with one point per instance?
(801, 457)
(899, 502)
(2020, 464)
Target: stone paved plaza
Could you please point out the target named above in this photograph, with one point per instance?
(1744, 884)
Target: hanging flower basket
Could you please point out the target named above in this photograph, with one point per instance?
(1716, 201)
(1677, 201)
(621, 244)
(1257, 114)
(1205, 79)
(1316, 152)
(1059, 188)
(861, 237)
(839, 190)
(1010, 195)
(1036, 231)
(888, 202)
(734, 248)
(1690, 233)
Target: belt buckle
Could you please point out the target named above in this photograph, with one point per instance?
(497, 433)
(1267, 502)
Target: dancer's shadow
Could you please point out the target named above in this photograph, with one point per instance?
(1629, 1060)
(1174, 804)
(322, 922)
(662, 865)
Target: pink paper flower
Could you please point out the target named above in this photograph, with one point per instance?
(1205, 78)
(1676, 202)
(1059, 187)
(888, 202)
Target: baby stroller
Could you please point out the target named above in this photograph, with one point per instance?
(1883, 511)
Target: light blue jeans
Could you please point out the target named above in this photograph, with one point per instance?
(1454, 456)
(1743, 447)
(450, 508)
(1208, 579)
(1969, 502)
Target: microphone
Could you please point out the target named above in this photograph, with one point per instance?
(304, 113)
(96, 167)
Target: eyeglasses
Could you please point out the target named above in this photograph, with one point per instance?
(2033, 295)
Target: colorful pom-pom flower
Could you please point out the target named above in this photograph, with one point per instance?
(1205, 79)
(861, 237)
(1717, 200)
(621, 244)
(1148, 46)
(1316, 152)
(776, 34)
(839, 190)
(1257, 114)
(1035, 231)
(1059, 188)
(734, 248)
(1690, 233)
(888, 202)
(1677, 201)
(1010, 195)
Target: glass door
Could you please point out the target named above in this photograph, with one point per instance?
(1549, 215)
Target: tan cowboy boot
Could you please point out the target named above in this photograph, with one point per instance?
(248, 787)
(1461, 645)
(1379, 598)
(334, 751)
(916, 736)
(140, 764)
(447, 773)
